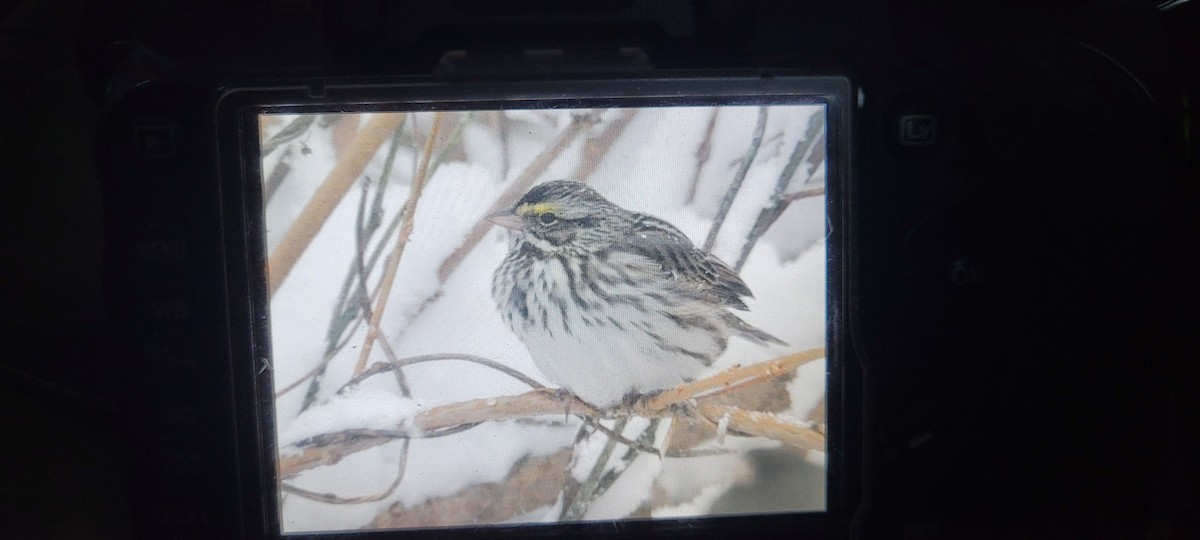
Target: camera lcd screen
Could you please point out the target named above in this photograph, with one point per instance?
(526, 313)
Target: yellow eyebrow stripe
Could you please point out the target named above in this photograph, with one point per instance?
(537, 208)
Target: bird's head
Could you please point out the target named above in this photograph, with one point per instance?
(564, 215)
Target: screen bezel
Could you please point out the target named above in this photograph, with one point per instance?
(237, 115)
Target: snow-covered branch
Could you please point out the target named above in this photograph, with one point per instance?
(330, 448)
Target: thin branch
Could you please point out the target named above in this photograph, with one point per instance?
(382, 367)
(331, 448)
(646, 439)
(344, 319)
(376, 215)
(779, 201)
(620, 438)
(815, 191)
(518, 188)
(281, 170)
(289, 133)
(505, 157)
(345, 303)
(729, 379)
(346, 311)
(325, 359)
(451, 142)
(575, 509)
(731, 192)
(418, 184)
(334, 499)
(345, 308)
(348, 169)
(703, 152)
(364, 297)
(360, 245)
(596, 147)
(477, 233)
(806, 436)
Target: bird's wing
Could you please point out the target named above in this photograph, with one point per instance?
(679, 260)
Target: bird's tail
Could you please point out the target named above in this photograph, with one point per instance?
(751, 333)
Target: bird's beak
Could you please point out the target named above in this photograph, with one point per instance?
(507, 219)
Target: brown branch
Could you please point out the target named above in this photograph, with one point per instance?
(596, 147)
(515, 191)
(327, 197)
(764, 424)
(392, 365)
(805, 193)
(330, 498)
(532, 483)
(331, 448)
(729, 379)
(393, 263)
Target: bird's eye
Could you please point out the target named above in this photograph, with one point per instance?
(547, 218)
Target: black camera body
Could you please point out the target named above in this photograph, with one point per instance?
(988, 229)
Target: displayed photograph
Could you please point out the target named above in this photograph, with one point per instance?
(534, 316)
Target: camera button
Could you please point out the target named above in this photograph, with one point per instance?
(917, 124)
(917, 130)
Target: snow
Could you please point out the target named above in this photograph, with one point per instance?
(649, 169)
(697, 506)
(359, 408)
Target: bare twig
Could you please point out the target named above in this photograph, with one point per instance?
(278, 174)
(323, 202)
(597, 146)
(320, 367)
(514, 191)
(364, 297)
(385, 179)
(643, 442)
(289, 133)
(451, 142)
(360, 245)
(815, 191)
(731, 192)
(619, 437)
(803, 151)
(418, 184)
(763, 424)
(382, 367)
(574, 509)
(703, 152)
(342, 320)
(334, 499)
(730, 379)
(505, 157)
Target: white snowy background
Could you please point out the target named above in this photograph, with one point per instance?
(650, 169)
